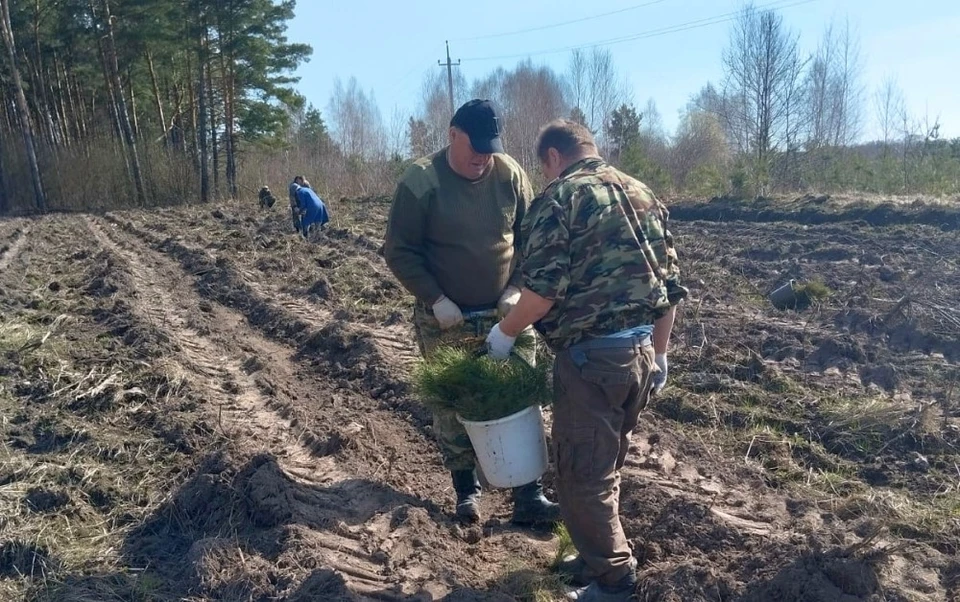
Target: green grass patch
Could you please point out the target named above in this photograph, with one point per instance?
(478, 387)
(565, 545)
(802, 295)
(811, 292)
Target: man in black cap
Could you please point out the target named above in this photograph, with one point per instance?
(453, 241)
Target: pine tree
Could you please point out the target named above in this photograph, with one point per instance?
(623, 130)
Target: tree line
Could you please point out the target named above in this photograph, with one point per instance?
(777, 120)
(166, 101)
(140, 101)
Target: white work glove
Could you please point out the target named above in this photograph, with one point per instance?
(447, 313)
(660, 378)
(499, 345)
(508, 300)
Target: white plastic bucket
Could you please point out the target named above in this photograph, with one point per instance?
(512, 451)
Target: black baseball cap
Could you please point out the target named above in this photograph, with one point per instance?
(478, 118)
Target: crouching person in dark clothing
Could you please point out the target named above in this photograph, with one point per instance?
(266, 198)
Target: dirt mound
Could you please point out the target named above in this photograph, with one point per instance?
(103, 279)
(218, 569)
(817, 210)
(348, 353)
(22, 559)
(322, 290)
(41, 499)
(822, 578)
(323, 584)
(687, 581)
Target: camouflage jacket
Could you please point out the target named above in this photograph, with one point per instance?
(597, 245)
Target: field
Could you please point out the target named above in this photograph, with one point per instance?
(197, 405)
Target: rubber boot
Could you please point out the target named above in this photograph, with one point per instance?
(467, 486)
(531, 507)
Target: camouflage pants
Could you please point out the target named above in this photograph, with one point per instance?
(472, 334)
(295, 214)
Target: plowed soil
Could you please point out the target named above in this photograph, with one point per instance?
(198, 405)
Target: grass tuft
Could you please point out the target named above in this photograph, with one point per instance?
(811, 292)
(525, 584)
(565, 545)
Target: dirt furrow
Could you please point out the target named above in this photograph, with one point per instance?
(391, 464)
(215, 367)
(367, 359)
(244, 413)
(9, 251)
(812, 209)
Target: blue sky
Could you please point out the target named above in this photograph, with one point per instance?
(389, 45)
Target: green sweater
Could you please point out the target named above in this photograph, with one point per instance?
(451, 236)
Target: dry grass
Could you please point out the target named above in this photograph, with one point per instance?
(73, 481)
(872, 425)
(169, 178)
(524, 583)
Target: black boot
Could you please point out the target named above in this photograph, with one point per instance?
(530, 507)
(467, 486)
(623, 590)
(575, 571)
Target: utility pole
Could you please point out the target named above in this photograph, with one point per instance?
(450, 65)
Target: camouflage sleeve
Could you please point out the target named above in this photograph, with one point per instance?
(661, 241)
(404, 246)
(546, 258)
(524, 198)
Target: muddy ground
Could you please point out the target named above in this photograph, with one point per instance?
(197, 405)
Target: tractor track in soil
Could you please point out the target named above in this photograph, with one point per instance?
(9, 251)
(246, 413)
(211, 363)
(284, 317)
(686, 512)
(368, 555)
(320, 481)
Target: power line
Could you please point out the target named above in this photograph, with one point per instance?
(652, 33)
(418, 66)
(560, 24)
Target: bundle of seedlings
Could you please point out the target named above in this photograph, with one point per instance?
(478, 387)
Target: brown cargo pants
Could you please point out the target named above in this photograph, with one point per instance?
(599, 392)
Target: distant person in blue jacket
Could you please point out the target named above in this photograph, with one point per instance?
(312, 210)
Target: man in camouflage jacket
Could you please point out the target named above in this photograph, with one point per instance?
(601, 283)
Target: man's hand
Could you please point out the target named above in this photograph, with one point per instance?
(660, 378)
(508, 300)
(447, 313)
(499, 345)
